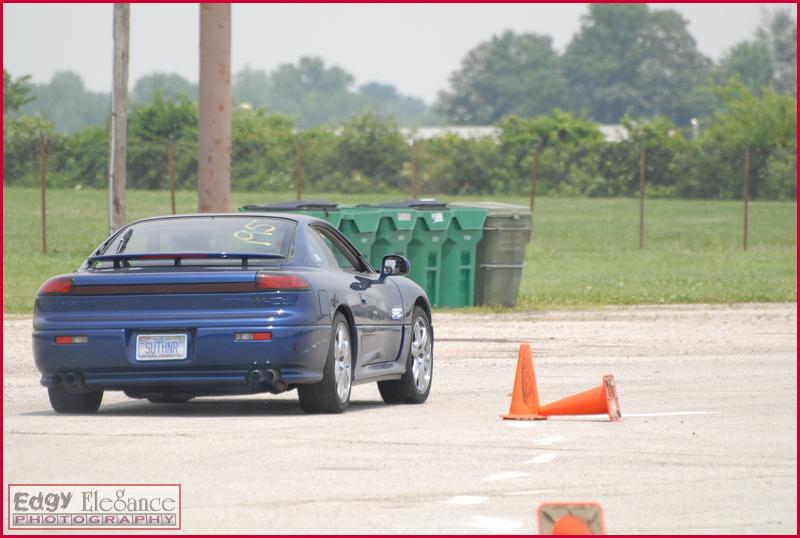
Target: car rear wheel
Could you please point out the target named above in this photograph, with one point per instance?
(332, 394)
(415, 385)
(63, 401)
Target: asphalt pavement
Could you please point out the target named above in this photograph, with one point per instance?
(707, 442)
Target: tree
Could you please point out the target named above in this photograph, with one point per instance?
(16, 92)
(372, 151)
(769, 59)
(749, 62)
(263, 150)
(384, 99)
(164, 119)
(767, 125)
(778, 31)
(312, 93)
(251, 86)
(67, 103)
(565, 143)
(628, 59)
(21, 137)
(152, 127)
(169, 85)
(509, 74)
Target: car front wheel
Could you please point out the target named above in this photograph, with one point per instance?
(415, 385)
(332, 394)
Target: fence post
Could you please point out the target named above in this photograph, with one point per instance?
(171, 171)
(534, 178)
(414, 178)
(641, 195)
(298, 170)
(746, 193)
(43, 178)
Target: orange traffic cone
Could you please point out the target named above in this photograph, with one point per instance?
(573, 518)
(597, 401)
(525, 397)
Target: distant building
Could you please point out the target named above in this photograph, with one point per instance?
(611, 133)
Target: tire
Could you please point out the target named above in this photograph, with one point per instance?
(74, 402)
(167, 397)
(332, 394)
(415, 385)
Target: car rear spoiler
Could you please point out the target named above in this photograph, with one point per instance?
(119, 259)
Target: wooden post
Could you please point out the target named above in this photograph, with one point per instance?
(171, 171)
(298, 170)
(641, 195)
(746, 193)
(119, 119)
(534, 180)
(214, 143)
(414, 178)
(43, 178)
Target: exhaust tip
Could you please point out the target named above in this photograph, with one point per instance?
(256, 377)
(272, 375)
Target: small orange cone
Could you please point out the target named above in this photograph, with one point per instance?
(572, 518)
(597, 401)
(525, 397)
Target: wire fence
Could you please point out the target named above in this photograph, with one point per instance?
(421, 168)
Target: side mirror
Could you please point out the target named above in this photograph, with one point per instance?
(395, 265)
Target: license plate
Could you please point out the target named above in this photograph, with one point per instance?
(160, 347)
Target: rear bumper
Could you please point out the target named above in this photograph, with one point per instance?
(215, 360)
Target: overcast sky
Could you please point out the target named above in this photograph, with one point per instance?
(414, 47)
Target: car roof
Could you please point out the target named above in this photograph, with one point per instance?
(295, 217)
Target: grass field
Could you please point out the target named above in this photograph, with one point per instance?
(584, 251)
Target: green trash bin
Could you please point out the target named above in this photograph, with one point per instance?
(395, 228)
(425, 250)
(360, 226)
(501, 252)
(321, 209)
(457, 287)
(421, 241)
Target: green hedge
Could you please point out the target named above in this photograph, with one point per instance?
(368, 153)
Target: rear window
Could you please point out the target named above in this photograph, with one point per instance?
(205, 234)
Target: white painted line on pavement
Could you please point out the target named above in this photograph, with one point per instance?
(521, 423)
(544, 441)
(467, 499)
(670, 414)
(505, 476)
(547, 457)
(495, 524)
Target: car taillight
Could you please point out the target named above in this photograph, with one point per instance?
(58, 285)
(71, 340)
(247, 337)
(274, 282)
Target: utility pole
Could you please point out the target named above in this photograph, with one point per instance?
(214, 156)
(119, 119)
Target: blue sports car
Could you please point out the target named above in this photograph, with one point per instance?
(171, 308)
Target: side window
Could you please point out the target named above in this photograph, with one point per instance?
(320, 252)
(344, 259)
